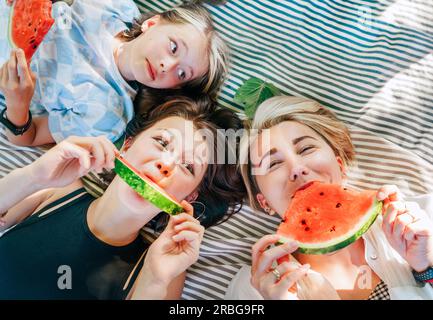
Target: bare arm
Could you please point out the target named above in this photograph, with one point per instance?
(15, 187)
(37, 135)
(23, 209)
(17, 83)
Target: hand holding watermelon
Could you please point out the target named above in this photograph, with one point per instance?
(70, 160)
(17, 83)
(170, 255)
(278, 283)
(410, 232)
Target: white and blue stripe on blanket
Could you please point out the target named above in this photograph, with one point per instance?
(370, 61)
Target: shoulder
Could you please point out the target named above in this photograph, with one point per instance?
(51, 195)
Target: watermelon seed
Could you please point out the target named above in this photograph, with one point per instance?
(307, 229)
(321, 193)
(308, 209)
(303, 222)
(338, 205)
(332, 229)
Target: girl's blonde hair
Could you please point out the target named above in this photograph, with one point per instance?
(217, 51)
(302, 110)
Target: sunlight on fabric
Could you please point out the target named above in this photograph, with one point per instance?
(410, 13)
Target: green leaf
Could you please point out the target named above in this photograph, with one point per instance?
(252, 93)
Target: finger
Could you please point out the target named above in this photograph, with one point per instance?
(5, 73)
(270, 255)
(181, 217)
(110, 152)
(97, 151)
(270, 279)
(73, 151)
(188, 225)
(189, 209)
(417, 229)
(389, 191)
(401, 221)
(391, 213)
(260, 246)
(186, 235)
(290, 279)
(12, 68)
(23, 69)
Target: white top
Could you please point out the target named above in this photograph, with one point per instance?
(380, 256)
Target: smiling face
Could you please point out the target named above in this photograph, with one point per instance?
(165, 55)
(293, 155)
(161, 154)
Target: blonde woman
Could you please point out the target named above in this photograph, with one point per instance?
(308, 143)
(84, 76)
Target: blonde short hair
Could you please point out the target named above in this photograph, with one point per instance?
(217, 50)
(302, 110)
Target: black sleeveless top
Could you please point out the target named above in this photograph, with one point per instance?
(53, 255)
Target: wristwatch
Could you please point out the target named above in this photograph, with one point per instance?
(18, 131)
(424, 276)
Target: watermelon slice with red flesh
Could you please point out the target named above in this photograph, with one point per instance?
(29, 22)
(145, 187)
(324, 217)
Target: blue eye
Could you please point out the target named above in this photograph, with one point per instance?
(173, 47)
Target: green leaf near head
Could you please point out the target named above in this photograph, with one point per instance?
(253, 92)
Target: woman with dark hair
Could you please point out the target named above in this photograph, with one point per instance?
(97, 240)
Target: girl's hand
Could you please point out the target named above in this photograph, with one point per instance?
(70, 160)
(17, 83)
(278, 283)
(410, 232)
(176, 249)
(9, 2)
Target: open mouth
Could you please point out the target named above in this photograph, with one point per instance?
(150, 70)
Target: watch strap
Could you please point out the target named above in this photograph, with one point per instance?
(18, 131)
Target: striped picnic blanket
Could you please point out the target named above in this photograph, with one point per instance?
(370, 61)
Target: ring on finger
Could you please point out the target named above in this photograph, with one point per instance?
(277, 275)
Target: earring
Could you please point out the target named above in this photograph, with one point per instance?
(199, 216)
(269, 211)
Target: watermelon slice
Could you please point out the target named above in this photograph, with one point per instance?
(145, 187)
(324, 217)
(29, 22)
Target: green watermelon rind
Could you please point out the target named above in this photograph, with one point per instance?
(349, 238)
(145, 189)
